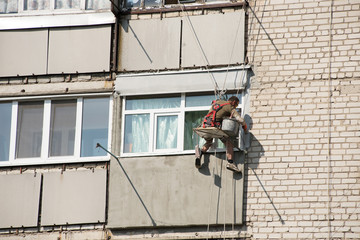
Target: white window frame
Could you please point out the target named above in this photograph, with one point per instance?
(52, 10)
(162, 112)
(44, 157)
(154, 128)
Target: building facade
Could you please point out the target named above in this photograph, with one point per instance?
(99, 101)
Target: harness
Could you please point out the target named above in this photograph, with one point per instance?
(209, 120)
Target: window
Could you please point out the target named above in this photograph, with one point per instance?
(159, 3)
(54, 131)
(62, 128)
(95, 127)
(14, 6)
(5, 120)
(163, 124)
(29, 129)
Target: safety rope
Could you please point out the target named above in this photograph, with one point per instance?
(205, 59)
(224, 193)
(231, 55)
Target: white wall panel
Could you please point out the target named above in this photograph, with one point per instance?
(19, 200)
(79, 49)
(74, 197)
(214, 39)
(149, 44)
(23, 52)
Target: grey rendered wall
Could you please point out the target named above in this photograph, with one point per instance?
(170, 191)
(19, 200)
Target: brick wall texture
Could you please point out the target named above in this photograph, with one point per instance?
(303, 174)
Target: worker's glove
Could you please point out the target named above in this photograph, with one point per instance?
(245, 128)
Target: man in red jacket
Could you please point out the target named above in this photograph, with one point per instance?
(220, 110)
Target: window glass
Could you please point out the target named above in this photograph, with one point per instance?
(193, 120)
(36, 4)
(198, 101)
(152, 3)
(166, 132)
(132, 3)
(136, 133)
(97, 4)
(29, 129)
(95, 125)
(67, 4)
(62, 128)
(8, 6)
(152, 103)
(5, 126)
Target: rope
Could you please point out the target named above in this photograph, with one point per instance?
(211, 192)
(232, 51)
(216, 86)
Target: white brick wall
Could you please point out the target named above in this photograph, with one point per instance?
(290, 111)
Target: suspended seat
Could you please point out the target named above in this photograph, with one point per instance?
(211, 132)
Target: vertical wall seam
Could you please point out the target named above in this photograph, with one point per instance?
(329, 124)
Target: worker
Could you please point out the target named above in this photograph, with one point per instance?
(220, 110)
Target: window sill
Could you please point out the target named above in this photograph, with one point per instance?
(55, 19)
(51, 161)
(179, 8)
(187, 152)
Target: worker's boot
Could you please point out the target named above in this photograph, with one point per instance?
(198, 155)
(232, 167)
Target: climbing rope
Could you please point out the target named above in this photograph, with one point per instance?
(223, 91)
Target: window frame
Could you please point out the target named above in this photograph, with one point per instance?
(45, 157)
(162, 112)
(52, 9)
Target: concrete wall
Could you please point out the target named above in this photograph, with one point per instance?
(297, 110)
(167, 191)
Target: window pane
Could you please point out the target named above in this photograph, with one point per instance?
(5, 125)
(29, 129)
(8, 6)
(152, 103)
(166, 132)
(136, 133)
(62, 128)
(36, 4)
(132, 3)
(97, 4)
(199, 101)
(95, 125)
(67, 4)
(193, 120)
(152, 3)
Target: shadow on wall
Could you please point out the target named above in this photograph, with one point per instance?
(252, 161)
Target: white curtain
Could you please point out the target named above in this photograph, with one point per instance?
(137, 133)
(167, 132)
(152, 103)
(8, 6)
(67, 4)
(36, 4)
(97, 4)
